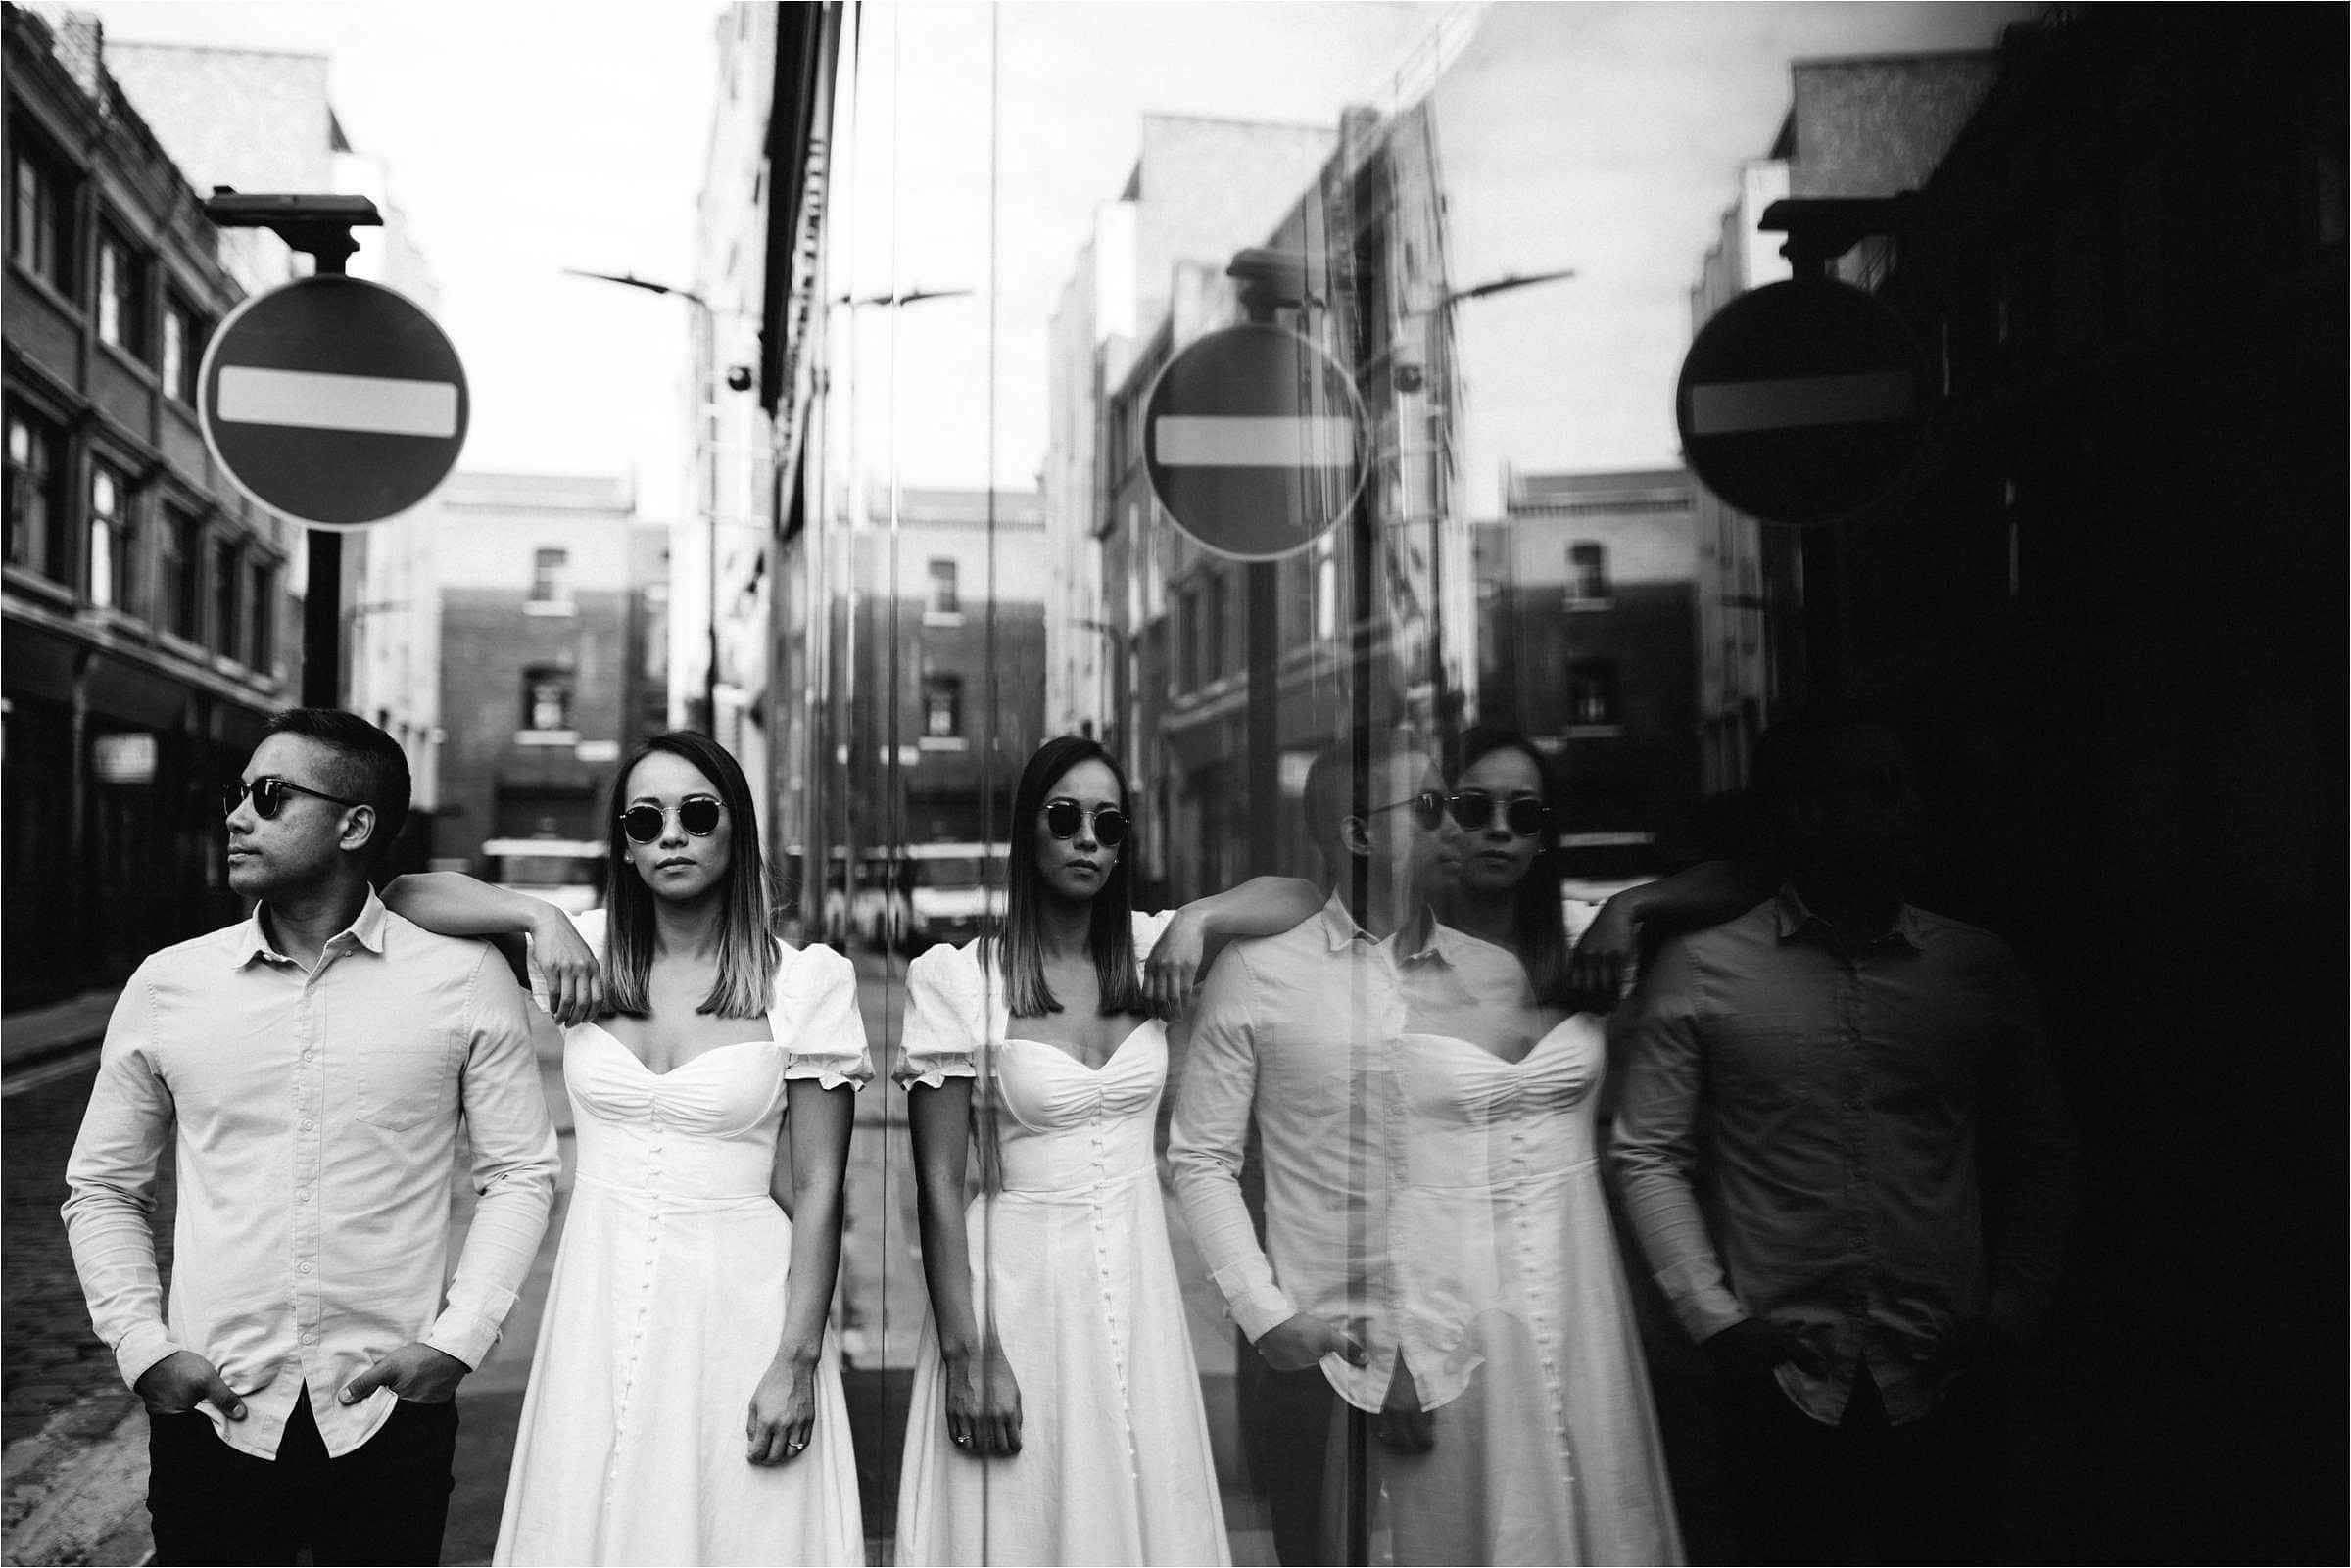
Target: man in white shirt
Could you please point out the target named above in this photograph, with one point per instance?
(1292, 1033)
(310, 1068)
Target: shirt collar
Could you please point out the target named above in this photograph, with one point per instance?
(1439, 941)
(1795, 919)
(366, 931)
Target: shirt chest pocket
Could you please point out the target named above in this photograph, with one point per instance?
(404, 1079)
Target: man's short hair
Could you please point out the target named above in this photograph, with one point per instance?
(1329, 797)
(368, 763)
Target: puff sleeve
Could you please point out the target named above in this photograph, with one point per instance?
(1147, 930)
(816, 1019)
(946, 1019)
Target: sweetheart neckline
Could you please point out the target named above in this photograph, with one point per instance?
(1076, 1061)
(652, 1072)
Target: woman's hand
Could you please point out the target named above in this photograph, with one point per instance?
(782, 1413)
(575, 981)
(984, 1402)
(1171, 973)
(1608, 956)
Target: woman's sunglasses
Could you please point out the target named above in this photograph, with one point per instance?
(269, 793)
(697, 814)
(1064, 817)
(1474, 809)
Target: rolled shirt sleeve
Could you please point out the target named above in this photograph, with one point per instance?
(1207, 1141)
(1654, 1152)
(515, 1166)
(111, 1181)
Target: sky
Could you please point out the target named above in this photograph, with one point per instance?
(524, 136)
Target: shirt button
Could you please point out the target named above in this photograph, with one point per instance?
(310, 1336)
(309, 1267)
(302, 1195)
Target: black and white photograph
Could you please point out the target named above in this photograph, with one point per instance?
(1099, 782)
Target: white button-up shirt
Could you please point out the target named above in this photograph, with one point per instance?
(1298, 1030)
(315, 1116)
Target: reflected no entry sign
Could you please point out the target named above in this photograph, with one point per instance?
(1803, 401)
(1253, 440)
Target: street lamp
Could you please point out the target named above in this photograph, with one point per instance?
(705, 345)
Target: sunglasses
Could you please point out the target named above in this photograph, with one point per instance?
(1474, 809)
(1062, 818)
(269, 793)
(1428, 808)
(697, 814)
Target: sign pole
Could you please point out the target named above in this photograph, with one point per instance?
(323, 588)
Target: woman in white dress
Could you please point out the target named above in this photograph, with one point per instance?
(1056, 1411)
(684, 1405)
(1545, 1443)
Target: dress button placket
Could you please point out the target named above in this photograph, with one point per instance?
(645, 1301)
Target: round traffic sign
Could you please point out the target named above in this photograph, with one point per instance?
(1253, 442)
(334, 401)
(1803, 401)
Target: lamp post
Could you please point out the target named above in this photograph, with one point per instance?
(705, 339)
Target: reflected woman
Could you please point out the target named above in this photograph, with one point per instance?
(1056, 1408)
(684, 1404)
(1545, 1445)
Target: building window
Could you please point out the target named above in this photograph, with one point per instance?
(550, 577)
(1212, 630)
(122, 294)
(943, 599)
(1587, 573)
(229, 564)
(1592, 696)
(114, 546)
(181, 345)
(37, 513)
(942, 707)
(261, 615)
(547, 693)
(179, 548)
(37, 206)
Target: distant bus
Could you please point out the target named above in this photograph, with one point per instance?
(568, 872)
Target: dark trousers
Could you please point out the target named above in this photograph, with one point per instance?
(1307, 1451)
(1865, 1491)
(385, 1501)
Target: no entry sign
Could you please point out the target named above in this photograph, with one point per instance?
(334, 401)
(1253, 440)
(1803, 401)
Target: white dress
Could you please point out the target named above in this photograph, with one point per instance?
(1548, 1448)
(667, 1303)
(1115, 1466)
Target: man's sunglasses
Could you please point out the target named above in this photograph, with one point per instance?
(1474, 809)
(269, 793)
(1428, 808)
(1064, 817)
(697, 814)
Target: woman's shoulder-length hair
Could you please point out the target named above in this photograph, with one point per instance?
(747, 955)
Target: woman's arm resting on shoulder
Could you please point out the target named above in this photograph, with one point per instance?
(454, 904)
(1263, 906)
(1607, 955)
(782, 1410)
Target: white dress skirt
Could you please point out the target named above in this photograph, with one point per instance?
(1071, 1263)
(667, 1304)
(1548, 1448)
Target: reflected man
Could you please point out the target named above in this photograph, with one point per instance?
(1886, 1179)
